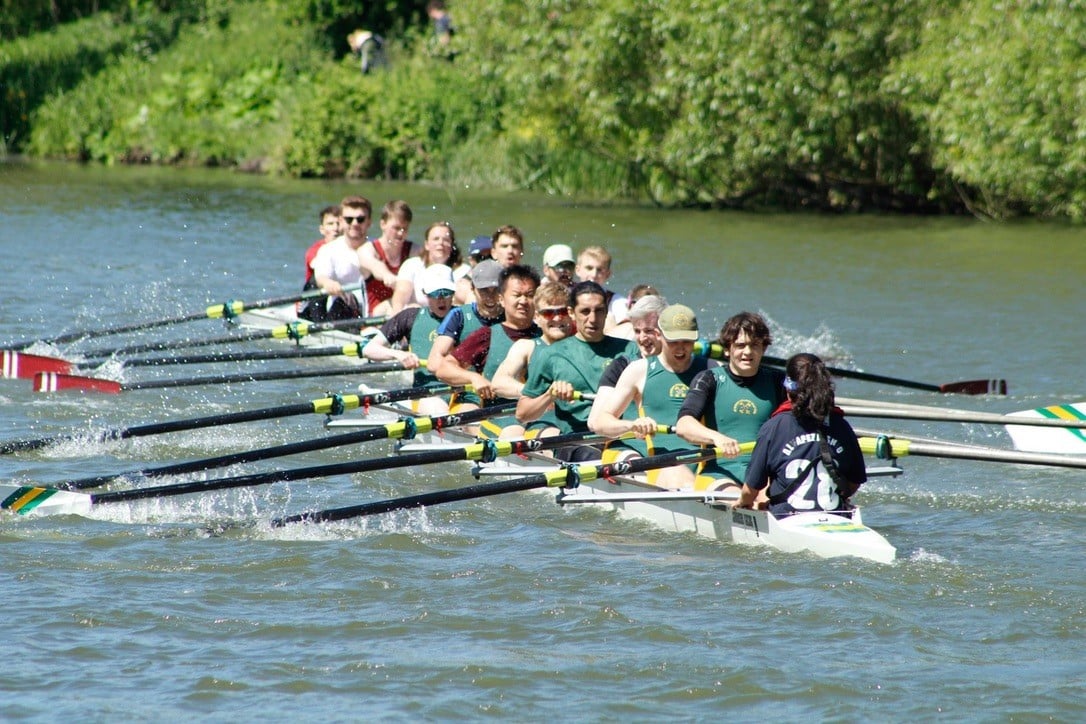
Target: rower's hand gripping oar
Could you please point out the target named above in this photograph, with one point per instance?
(969, 387)
(226, 310)
(566, 477)
(332, 405)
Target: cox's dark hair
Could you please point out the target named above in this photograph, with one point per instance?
(812, 398)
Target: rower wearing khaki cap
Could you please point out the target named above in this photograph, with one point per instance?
(657, 385)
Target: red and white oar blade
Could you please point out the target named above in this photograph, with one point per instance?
(57, 382)
(976, 387)
(24, 366)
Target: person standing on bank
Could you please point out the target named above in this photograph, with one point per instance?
(807, 453)
(727, 405)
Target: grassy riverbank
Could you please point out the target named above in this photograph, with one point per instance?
(849, 105)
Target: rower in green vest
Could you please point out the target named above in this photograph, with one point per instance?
(417, 328)
(479, 355)
(657, 385)
(727, 405)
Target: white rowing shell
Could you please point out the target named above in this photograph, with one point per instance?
(1050, 439)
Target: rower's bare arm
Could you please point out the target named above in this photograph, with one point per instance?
(532, 408)
(442, 346)
(747, 496)
(378, 350)
(611, 402)
(402, 295)
(329, 285)
(453, 373)
(371, 265)
(509, 377)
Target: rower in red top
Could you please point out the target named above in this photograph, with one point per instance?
(380, 259)
(329, 229)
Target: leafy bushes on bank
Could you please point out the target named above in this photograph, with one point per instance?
(402, 123)
(1000, 91)
(925, 106)
(188, 105)
(35, 67)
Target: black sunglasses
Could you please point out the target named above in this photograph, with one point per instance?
(353, 220)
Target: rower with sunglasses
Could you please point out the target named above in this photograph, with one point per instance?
(475, 361)
(552, 316)
(336, 266)
(417, 328)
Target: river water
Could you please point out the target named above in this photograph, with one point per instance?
(510, 607)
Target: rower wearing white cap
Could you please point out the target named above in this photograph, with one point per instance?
(657, 384)
(559, 263)
(418, 329)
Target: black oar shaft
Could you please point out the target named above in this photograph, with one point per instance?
(371, 368)
(290, 331)
(196, 359)
(221, 461)
(300, 329)
(865, 376)
(565, 477)
(322, 471)
(326, 405)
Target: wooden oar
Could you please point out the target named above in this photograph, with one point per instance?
(568, 477)
(898, 412)
(52, 382)
(888, 448)
(37, 499)
(226, 310)
(291, 330)
(967, 387)
(386, 431)
(334, 405)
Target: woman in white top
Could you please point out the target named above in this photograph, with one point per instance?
(439, 247)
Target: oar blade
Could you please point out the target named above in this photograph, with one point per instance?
(57, 382)
(19, 365)
(34, 500)
(975, 387)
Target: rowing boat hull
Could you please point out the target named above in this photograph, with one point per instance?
(824, 534)
(707, 514)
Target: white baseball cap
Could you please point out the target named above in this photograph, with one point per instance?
(437, 277)
(557, 254)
